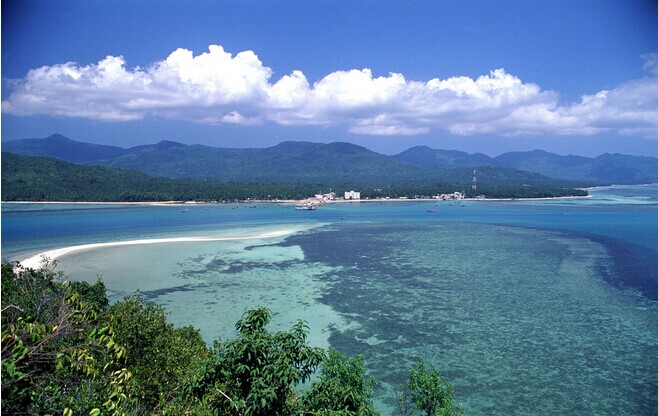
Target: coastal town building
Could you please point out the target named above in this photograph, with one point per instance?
(352, 195)
(455, 195)
(326, 197)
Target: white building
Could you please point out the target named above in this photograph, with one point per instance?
(352, 195)
(325, 197)
(455, 195)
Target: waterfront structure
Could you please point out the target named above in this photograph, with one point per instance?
(454, 195)
(325, 197)
(352, 195)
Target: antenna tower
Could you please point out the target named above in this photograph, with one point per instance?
(475, 180)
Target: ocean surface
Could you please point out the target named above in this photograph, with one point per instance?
(528, 307)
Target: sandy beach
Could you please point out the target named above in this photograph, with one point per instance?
(37, 260)
(293, 201)
(156, 203)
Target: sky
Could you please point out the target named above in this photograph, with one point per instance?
(490, 76)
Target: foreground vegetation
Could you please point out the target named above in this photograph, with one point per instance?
(27, 178)
(66, 351)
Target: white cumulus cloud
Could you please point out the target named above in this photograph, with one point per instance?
(216, 87)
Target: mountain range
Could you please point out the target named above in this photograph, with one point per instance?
(604, 169)
(344, 162)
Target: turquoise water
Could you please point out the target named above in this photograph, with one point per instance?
(529, 307)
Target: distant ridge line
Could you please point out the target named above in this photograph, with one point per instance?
(292, 160)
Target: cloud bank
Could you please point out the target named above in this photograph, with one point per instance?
(216, 87)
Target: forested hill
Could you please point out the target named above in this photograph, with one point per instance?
(61, 147)
(287, 162)
(604, 169)
(27, 178)
(318, 162)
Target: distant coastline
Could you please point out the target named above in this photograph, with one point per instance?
(621, 186)
(296, 201)
(96, 203)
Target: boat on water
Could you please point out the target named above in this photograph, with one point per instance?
(431, 210)
(305, 207)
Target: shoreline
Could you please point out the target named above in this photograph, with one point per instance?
(35, 261)
(291, 201)
(456, 200)
(154, 203)
(97, 203)
(297, 201)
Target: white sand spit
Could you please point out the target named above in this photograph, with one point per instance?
(37, 260)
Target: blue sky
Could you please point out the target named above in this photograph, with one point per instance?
(492, 76)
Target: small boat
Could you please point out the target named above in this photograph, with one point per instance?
(183, 210)
(305, 207)
(431, 210)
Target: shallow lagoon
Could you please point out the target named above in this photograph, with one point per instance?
(529, 307)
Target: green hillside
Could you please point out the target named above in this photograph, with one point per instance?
(343, 162)
(303, 162)
(26, 178)
(288, 161)
(604, 169)
(61, 147)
